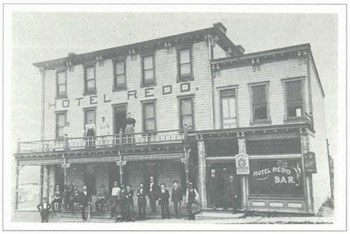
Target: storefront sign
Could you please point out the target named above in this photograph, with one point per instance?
(242, 164)
(310, 162)
(276, 177)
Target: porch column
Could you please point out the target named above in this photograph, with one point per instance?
(244, 178)
(185, 161)
(121, 163)
(305, 148)
(202, 171)
(18, 168)
(41, 183)
(65, 164)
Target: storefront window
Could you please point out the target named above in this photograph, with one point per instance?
(276, 178)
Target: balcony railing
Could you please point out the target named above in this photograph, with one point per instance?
(117, 140)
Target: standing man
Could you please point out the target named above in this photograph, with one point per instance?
(141, 202)
(232, 193)
(44, 209)
(115, 195)
(164, 201)
(153, 190)
(192, 198)
(57, 199)
(101, 199)
(105, 131)
(130, 127)
(122, 204)
(176, 198)
(214, 189)
(129, 204)
(85, 201)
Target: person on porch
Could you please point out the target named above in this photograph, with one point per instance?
(44, 209)
(130, 128)
(105, 131)
(66, 135)
(164, 201)
(90, 131)
(232, 193)
(141, 202)
(214, 189)
(85, 201)
(176, 198)
(153, 190)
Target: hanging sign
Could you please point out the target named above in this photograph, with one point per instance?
(242, 164)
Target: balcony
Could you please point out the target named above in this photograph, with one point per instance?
(112, 142)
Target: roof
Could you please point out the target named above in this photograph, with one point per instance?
(266, 54)
(218, 31)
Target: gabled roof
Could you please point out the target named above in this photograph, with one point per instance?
(218, 31)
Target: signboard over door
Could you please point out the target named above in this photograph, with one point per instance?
(242, 164)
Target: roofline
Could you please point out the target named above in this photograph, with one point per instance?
(274, 52)
(224, 42)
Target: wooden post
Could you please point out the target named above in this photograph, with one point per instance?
(244, 178)
(202, 172)
(41, 183)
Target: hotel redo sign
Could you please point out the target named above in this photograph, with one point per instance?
(130, 95)
(242, 164)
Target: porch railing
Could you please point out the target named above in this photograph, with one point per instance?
(136, 139)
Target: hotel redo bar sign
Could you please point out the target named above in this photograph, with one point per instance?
(276, 178)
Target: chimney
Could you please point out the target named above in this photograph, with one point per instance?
(220, 26)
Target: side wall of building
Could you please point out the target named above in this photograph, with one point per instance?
(321, 181)
(167, 107)
(272, 72)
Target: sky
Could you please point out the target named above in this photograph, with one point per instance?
(42, 36)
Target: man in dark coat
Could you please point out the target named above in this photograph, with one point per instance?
(129, 204)
(85, 201)
(232, 193)
(176, 198)
(153, 190)
(164, 201)
(141, 202)
(44, 209)
(214, 188)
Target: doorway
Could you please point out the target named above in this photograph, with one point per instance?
(223, 172)
(119, 117)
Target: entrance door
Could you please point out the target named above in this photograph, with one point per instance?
(119, 116)
(223, 172)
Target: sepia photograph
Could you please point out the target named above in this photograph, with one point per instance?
(184, 117)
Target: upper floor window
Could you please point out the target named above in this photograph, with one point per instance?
(61, 119)
(61, 79)
(119, 75)
(90, 80)
(228, 108)
(186, 113)
(259, 98)
(294, 98)
(185, 64)
(149, 116)
(148, 74)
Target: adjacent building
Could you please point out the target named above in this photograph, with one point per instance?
(200, 103)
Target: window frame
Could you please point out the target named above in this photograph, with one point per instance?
(86, 66)
(235, 88)
(180, 98)
(115, 84)
(56, 119)
(144, 103)
(58, 96)
(284, 83)
(143, 83)
(267, 94)
(186, 77)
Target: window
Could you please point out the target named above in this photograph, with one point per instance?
(294, 98)
(119, 75)
(186, 113)
(61, 84)
(228, 108)
(259, 103)
(90, 80)
(148, 70)
(61, 118)
(185, 65)
(89, 114)
(149, 117)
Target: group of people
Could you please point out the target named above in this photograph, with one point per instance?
(121, 202)
(104, 130)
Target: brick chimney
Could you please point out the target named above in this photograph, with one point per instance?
(220, 26)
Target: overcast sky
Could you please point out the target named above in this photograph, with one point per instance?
(43, 36)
